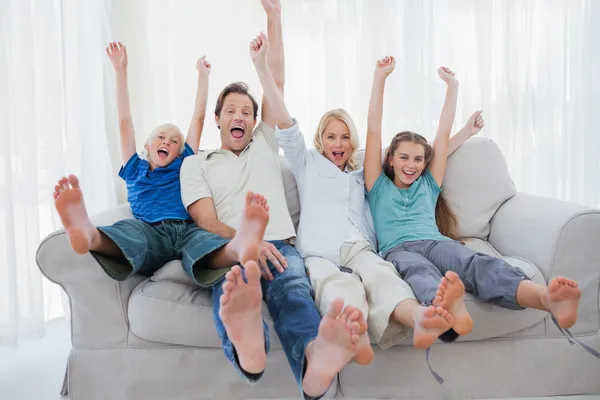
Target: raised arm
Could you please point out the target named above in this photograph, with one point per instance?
(275, 56)
(472, 127)
(437, 166)
(272, 94)
(117, 52)
(197, 124)
(373, 149)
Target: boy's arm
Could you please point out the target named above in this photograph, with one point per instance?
(272, 94)
(117, 53)
(437, 166)
(372, 163)
(197, 124)
(472, 127)
(275, 56)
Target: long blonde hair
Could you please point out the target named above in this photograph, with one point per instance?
(343, 116)
(445, 218)
(162, 129)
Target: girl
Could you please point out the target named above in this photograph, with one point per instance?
(403, 196)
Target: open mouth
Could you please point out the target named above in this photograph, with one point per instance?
(237, 131)
(163, 153)
(408, 174)
(338, 155)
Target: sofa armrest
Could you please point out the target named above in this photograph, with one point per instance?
(98, 303)
(561, 239)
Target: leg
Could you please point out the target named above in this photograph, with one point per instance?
(236, 311)
(83, 235)
(329, 283)
(381, 281)
(316, 350)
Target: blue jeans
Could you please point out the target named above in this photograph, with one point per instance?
(290, 302)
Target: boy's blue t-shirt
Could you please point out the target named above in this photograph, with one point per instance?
(155, 196)
(403, 215)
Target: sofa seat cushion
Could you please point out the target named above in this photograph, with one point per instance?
(170, 308)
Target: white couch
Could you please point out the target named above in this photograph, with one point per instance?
(154, 338)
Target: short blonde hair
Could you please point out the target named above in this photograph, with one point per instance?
(163, 128)
(343, 116)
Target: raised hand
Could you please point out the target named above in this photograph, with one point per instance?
(385, 66)
(447, 75)
(474, 124)
(117, 52)
(258, 48)
(271, 6)
(203, 66)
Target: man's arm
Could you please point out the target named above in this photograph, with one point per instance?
(258, 53)
(472, 127)
(275, 56)
(197, 124)
(204, 214)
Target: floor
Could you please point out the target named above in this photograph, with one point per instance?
(45, 360)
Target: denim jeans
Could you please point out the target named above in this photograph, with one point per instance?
(290, 302)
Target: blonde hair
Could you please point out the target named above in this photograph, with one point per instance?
(343, 116)
(163, 128)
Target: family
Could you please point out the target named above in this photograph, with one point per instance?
(376, 254)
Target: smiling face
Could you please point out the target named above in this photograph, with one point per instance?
(407, 157)
(164, 145)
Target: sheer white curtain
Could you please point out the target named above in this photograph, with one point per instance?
(53, 121)
(529, 64)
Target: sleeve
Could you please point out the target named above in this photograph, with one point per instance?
(130, 170)
(194, 185)
(377, 191)
(187, 151)
(292, 143)
(432, 185)
(268, 133)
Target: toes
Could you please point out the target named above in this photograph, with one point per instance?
(354, 328)
(452, 276)
(438, 299)
(429, 311)
(228, 287)
(73, 181)
(249, 197)
(335, 308)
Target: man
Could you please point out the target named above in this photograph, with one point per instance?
(212, 185)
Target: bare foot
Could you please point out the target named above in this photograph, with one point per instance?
(562, 299)
(335, 346)
(430, 323)
(248, 238)
(240, 311)
(73, 215)
(451, 296)
(364, 353)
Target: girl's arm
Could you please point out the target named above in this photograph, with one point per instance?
(437, 167)
(372, 163)
(197, 124)
(117, 52)
(472, 127)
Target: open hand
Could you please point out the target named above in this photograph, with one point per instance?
(203, 66)
(258, 48)
(385, 66)
(268, 252)
(117, 52)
